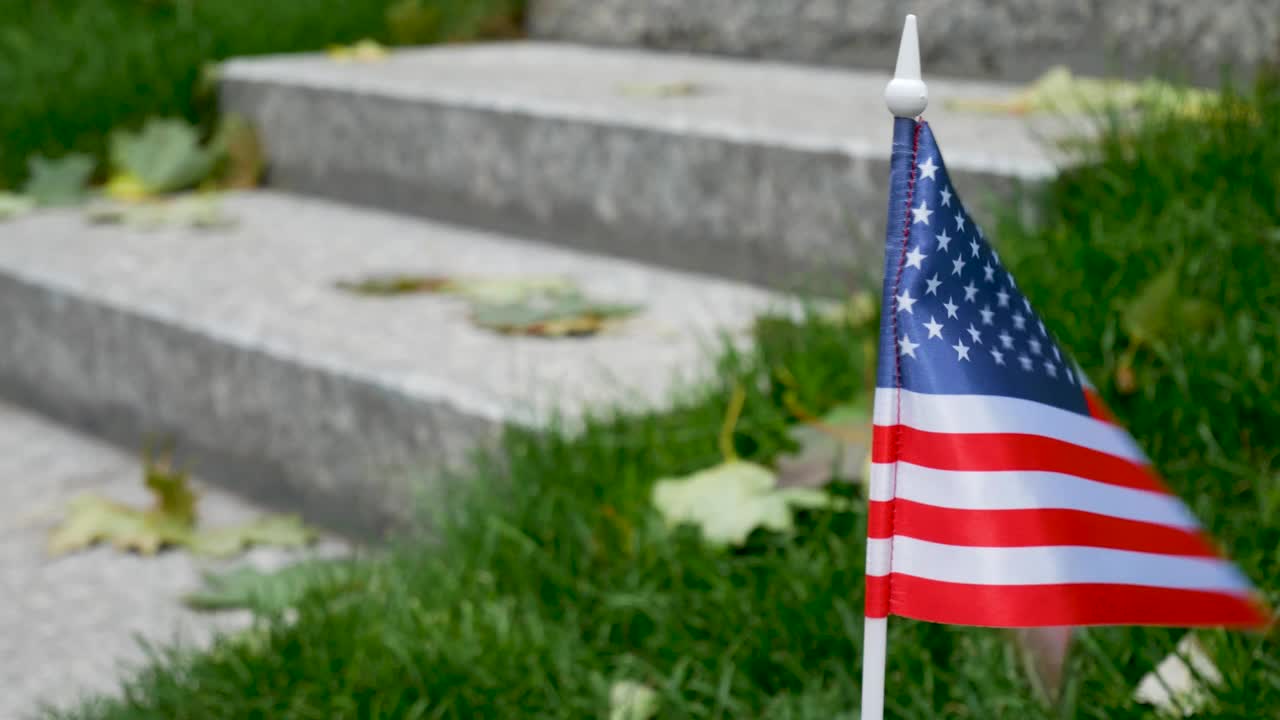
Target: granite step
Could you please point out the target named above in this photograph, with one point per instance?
(766, 173)
(994, 39)
(74, 626)
(236, 346)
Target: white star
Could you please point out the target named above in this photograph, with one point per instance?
(1006, 339)
(927, 169)
(1057, 355)
(987, 313)
(1035, 346)
(980, 233)
(962, 351)
(906, 347)
(934, 282)
(1026, 361)
(960, 222)
(1002, 298)
(943, 239)
(995, 255)
(970, 291)
(922, 213)
(974, 334)
(1042, 330)
(946, 197)
(915, 257)
(1050, 368)
(997, 356)
(988, 272)
(1025, 302)
(973, 245)
(906, 302)
(1019, 322)
(1071, 378)
(951, 308)
(934, 327)
(957, 265)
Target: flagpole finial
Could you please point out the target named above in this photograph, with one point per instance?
(906, 94)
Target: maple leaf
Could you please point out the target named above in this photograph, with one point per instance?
(64, 181)
(268, 592)
(551, 315)
(276, 530)
(164, 156)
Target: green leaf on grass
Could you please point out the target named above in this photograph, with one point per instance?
(64, 181)
(835, 446)
(729, 501)
(268, 592)
(1160, 309)
(632, 701)
(1177, 687)
(164, 156)
(553, 314)
(14, 206)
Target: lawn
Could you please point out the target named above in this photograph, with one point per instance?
(552, 577)
(73, 70)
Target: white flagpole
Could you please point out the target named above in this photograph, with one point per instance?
(907, 96)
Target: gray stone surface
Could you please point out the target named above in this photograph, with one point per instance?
(775, 174)
(236, 346)
(72, 626)
(995, 39)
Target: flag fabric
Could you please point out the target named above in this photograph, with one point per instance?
(1002, 492)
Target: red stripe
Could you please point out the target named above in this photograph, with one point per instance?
(1098, 409)
(877, 596)
(1074, 604)
(1036, 527)
(1008, 451)
(880, 518)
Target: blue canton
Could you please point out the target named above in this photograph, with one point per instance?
(954, 320)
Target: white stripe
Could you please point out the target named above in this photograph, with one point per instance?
(1032, 490)
(1054, 565)
(882, 485)
(879, 556)
(995, 414)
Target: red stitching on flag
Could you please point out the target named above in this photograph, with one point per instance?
(897, 356)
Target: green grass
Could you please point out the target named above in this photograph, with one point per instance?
(554, 577)
(73, 70)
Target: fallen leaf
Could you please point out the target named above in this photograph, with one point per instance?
(1060, 91)
(169, 521)
(835, 446)
(164, 156)
(1175, 687)
(363, 51)
(729, 501)
(286, 531)
(64, 181)
(240, 152)
(663, 90)
(1160, 310)
(494, 290)
(413, 22)
(267, 593)
(14, 206)
(197, 210)
(632, 701)
(550, 315)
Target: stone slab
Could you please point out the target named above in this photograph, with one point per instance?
(74, 625)
(993, 39)
(236, 346)
(774, 174)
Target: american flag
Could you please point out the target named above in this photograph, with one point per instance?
(1002, 492)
